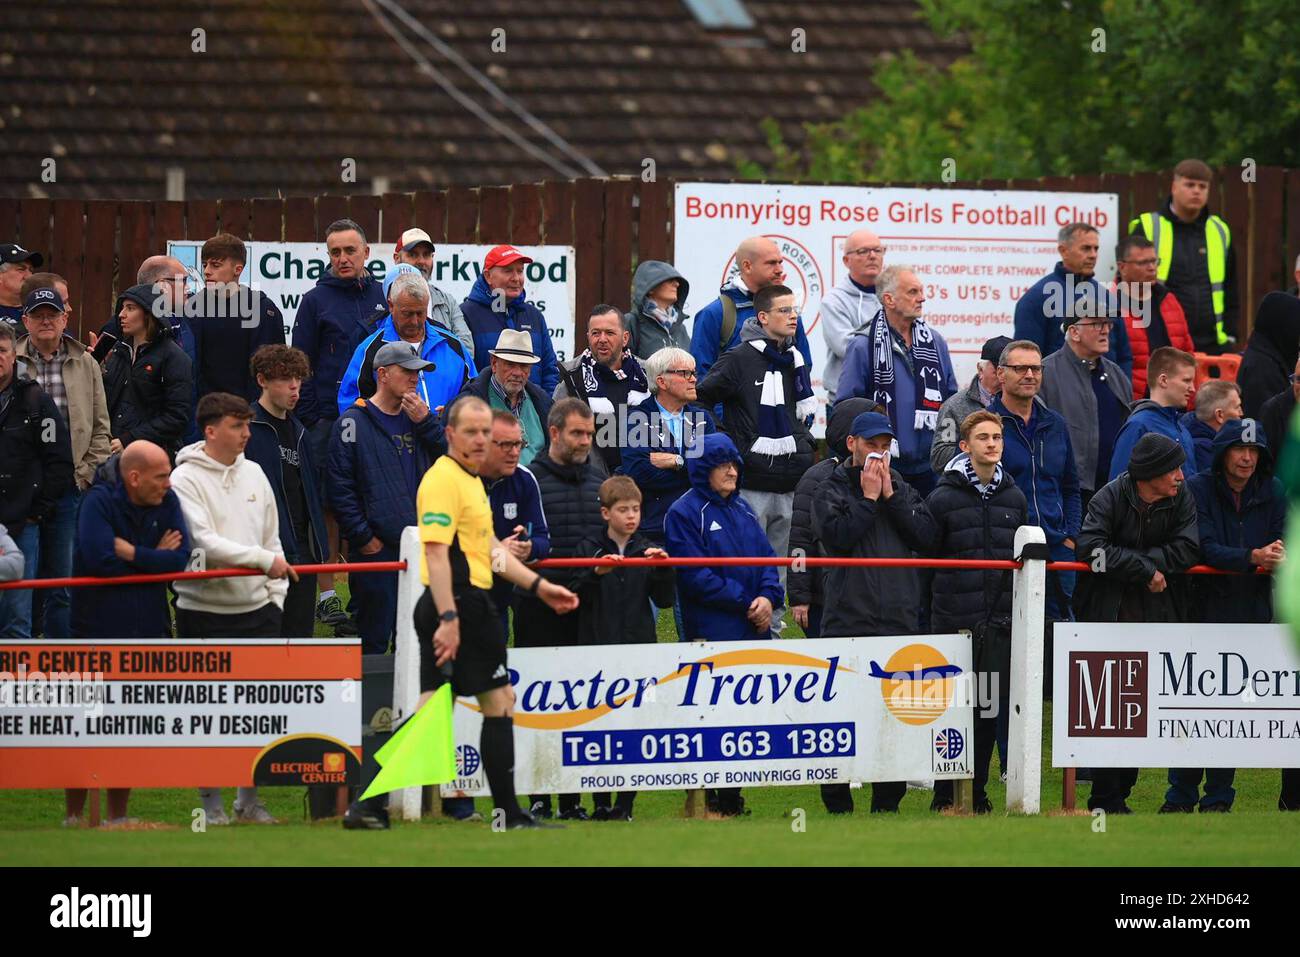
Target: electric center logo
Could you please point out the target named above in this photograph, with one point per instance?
(916, 683)
(467, 760)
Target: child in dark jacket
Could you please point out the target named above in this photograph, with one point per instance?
(615, 601)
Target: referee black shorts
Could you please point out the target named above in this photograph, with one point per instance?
(480, 663)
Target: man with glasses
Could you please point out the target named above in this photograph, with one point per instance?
(1092, 394)
(1040, 457)
(759, 264)
(517, 517)
(1071, 290)
(852, 303)
(1152, 317)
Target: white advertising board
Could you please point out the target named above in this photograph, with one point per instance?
(1175, 695)
(976, 251)
(732, 714)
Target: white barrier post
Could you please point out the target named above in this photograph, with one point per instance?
(1028, 608)
(406, 664)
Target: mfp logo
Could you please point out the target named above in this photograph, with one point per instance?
(1108, 694)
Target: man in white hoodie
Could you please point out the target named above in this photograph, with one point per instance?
(852, 303)
(231, 512)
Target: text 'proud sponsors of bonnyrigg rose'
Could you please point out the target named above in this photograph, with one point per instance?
(651, 717)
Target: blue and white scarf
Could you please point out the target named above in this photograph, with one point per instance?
(775, 432)
(594, 376)
(927, 374)
(962, 464)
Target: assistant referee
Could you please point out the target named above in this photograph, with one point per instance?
(455, 618)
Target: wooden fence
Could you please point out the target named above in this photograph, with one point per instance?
(97, 245)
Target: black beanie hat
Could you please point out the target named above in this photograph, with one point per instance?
(1154, 455)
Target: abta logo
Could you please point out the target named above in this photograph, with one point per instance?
(1108, 694)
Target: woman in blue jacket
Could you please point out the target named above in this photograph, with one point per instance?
(712, 520)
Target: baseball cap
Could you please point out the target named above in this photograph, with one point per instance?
(413, 237)
(503, 256)
(402, 354)
(992, 350)
(42, 297)
(390, 277)
(867, 425)
(13, 253)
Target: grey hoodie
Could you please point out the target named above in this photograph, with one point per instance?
(648, 333)
(11, 559)
(844, 310)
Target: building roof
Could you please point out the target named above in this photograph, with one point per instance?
(283, 92)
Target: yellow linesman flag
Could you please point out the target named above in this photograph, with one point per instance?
(423, 751)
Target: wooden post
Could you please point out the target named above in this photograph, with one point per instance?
(94, 807)
(695, 803)
(341, 800)
(1067, 789)
(963, 793)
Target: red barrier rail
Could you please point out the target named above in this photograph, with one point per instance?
(89, 582)
(369, 567)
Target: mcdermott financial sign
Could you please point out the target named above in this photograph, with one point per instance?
(1175, 695)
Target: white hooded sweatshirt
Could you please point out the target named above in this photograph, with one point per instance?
(231, 512)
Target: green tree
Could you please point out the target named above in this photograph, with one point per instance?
(1074, 86)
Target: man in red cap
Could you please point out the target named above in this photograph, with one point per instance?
(498, 302)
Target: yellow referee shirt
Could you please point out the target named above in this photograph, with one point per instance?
(453, 510)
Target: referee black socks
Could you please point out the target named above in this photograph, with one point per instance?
(498, 746)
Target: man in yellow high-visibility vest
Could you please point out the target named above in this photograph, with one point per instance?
(1196, 258)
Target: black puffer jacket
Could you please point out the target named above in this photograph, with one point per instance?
(736, 382)
(973, 527)
(615, 609)
(571, 501)
(1270, 355)
(1135, 541)
(805, 587)
(870, 601)
(34, 474)
(150, 396)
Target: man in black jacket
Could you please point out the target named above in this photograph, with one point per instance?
(766, 395)
(1140, 529)
(608, 378)
(230, 322)
(35, 472)
(1275, 414)
(977, 509)
(279, 443)
(570, 487)
(804, 585)
(866, 510)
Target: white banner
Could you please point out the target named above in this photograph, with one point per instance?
(286, 271)
(1179, 696)
(976, 251)
(732, 714)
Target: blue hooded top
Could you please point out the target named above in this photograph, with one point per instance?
(486, 325)
(1232, 526)
(1203, 438)
(1149, 416)
(702, 523)
(438, 386)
